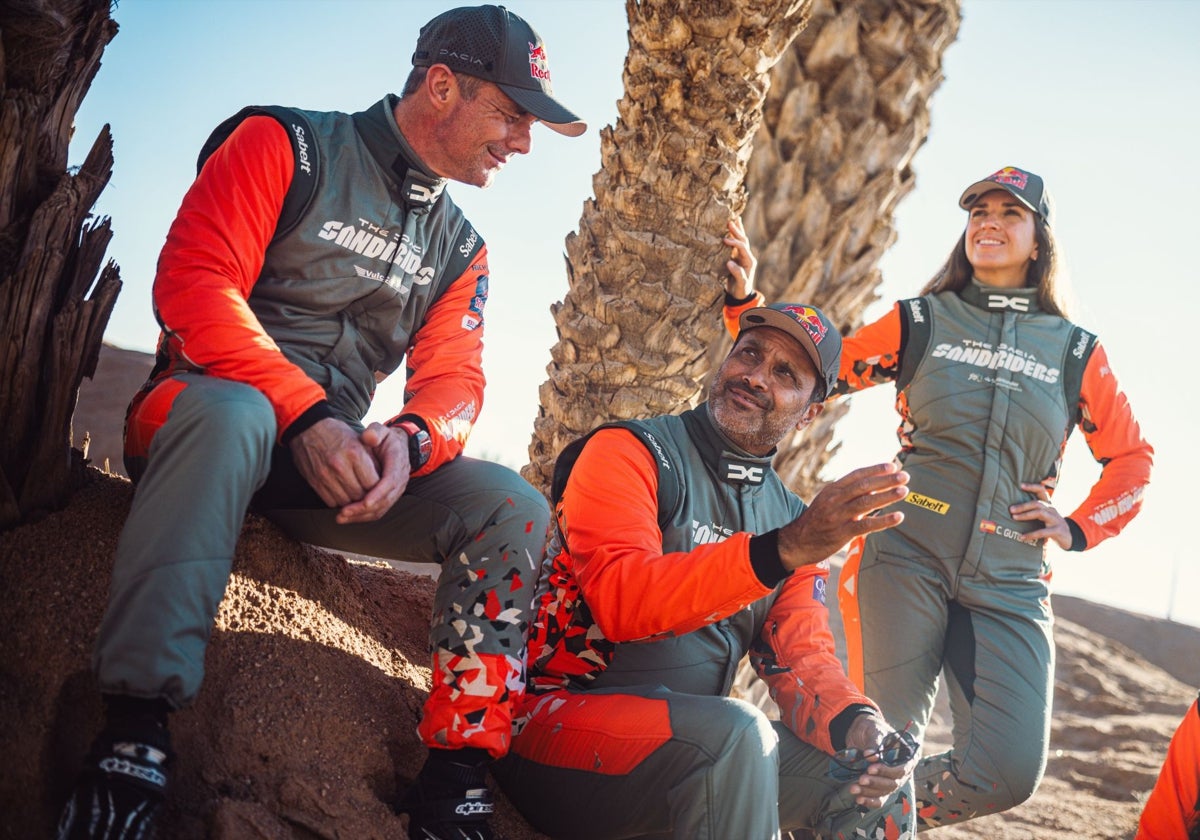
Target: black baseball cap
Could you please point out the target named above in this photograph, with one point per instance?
(1025, 187)
(809, 326)
(492, 43)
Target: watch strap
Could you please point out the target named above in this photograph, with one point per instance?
(420, 445)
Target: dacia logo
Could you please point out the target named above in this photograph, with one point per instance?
(461, 56)
(1017, 304)
(743, 473)
(420, 193)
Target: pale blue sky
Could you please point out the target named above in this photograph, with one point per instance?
(1098, 97)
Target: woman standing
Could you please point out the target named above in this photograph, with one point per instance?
(990, 378)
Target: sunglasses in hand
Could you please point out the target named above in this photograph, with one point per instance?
(897, 749)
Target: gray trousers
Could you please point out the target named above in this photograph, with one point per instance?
(214, 451)
(990, 632)
(647, 762)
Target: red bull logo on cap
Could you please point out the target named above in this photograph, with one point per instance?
(808, 318)
(1011, 176)
(538, 67)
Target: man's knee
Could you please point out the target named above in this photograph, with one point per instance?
(202, 410)
(1020, 774)
(749, 733)
(988, 781)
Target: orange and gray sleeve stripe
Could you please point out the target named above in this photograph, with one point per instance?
(445, 366)
(1115, 439)
(797, 633)
(212, 258)
(847, 596)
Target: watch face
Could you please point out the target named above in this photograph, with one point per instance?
(420, 446)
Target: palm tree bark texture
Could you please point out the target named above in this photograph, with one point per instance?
(819, 107)
(847, 110)
(50, 251)
(644, 268)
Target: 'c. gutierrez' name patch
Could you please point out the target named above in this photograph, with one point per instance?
(927, 503)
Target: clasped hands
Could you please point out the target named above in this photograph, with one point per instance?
(360, 474)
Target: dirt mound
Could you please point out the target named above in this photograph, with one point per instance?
(315, 678)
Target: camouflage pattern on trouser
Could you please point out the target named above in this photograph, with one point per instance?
(990, 634)
(646, 762)
(207, 446)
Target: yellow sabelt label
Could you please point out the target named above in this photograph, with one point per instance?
(927, 503)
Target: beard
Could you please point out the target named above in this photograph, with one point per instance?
(756, 429)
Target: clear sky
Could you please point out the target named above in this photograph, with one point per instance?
(1098, 96)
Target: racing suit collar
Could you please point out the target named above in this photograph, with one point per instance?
(377, 127)
(992, 298)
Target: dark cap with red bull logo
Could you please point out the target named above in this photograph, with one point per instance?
(1025, 187)
(492, 43)
(809, 326)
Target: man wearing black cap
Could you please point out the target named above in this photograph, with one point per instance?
(679, 551)
(315, 253)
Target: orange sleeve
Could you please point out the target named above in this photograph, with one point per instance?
(609, 514)
(1115, 439)
(871, 355)
(445, 365)
(730, 314)
(798, 661)
(1174, 803)
(211, 261)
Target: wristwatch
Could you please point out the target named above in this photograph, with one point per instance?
(420, 444)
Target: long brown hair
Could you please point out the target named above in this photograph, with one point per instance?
(1045, 272)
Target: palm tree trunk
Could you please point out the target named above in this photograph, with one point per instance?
(645, 266)
(847, 109)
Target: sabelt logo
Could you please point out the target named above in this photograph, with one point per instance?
(391, 249)
(928, 503)
(302, 148)
(469, 245)
(663, 461)
(918, 312)
(1081, 345)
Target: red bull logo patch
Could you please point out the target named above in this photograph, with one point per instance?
(538, 67)
(1011, 176)
(808, 318)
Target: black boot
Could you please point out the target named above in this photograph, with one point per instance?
(450, 799)
(121, 789)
